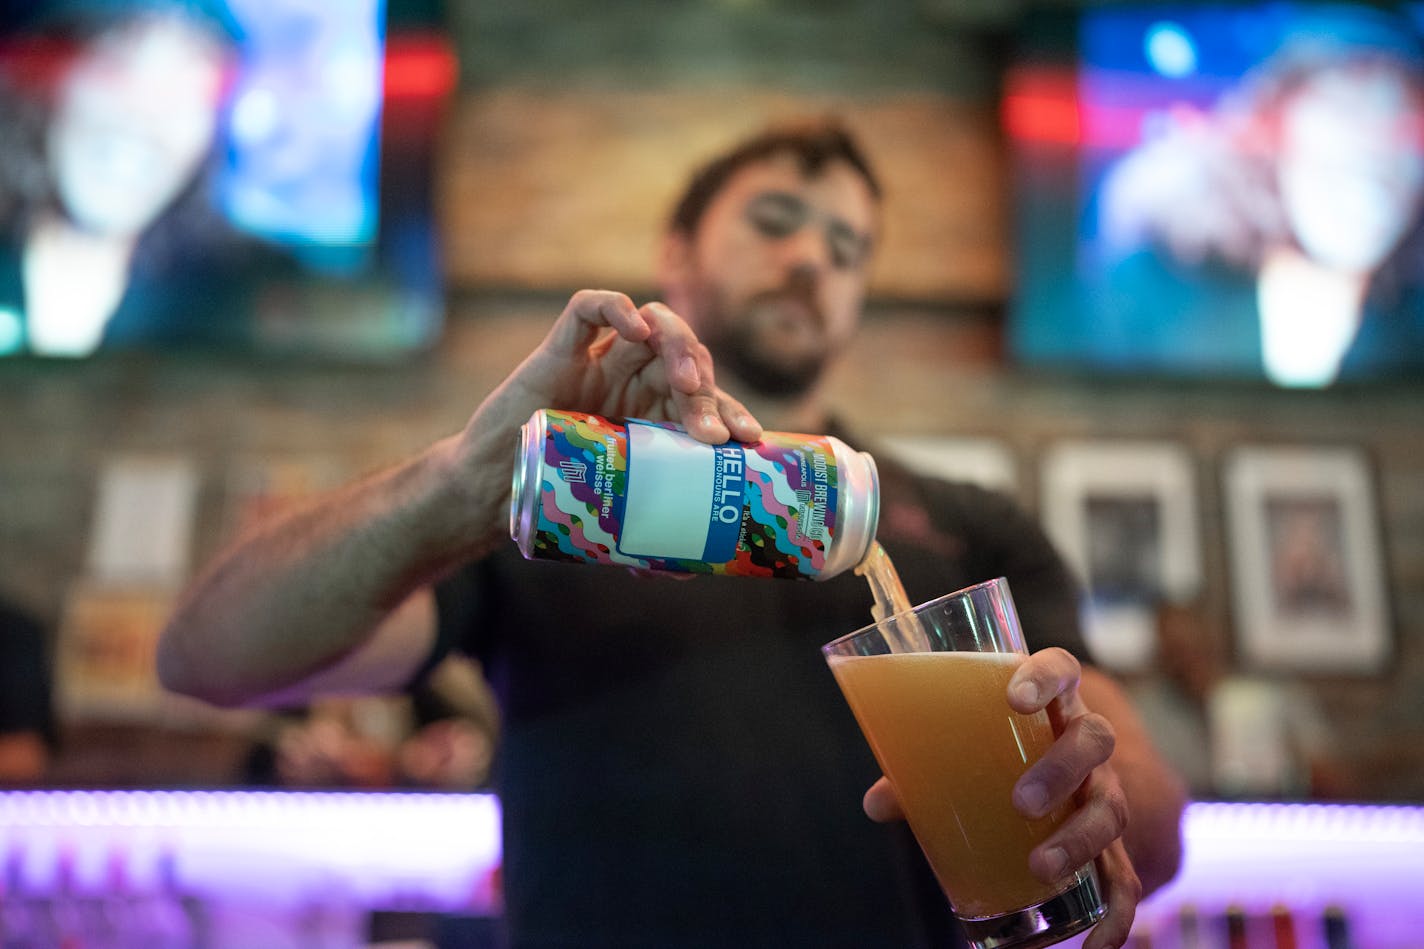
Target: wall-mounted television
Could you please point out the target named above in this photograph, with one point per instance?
(231, 175)
(1224, 191)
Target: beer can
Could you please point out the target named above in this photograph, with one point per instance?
(647, 495)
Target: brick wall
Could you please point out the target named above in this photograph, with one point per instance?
(547, 186)
(57, 423)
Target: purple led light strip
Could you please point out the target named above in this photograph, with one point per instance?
(439, 850)
(446, 814)
(397, 849)
(1368, 860)
(228, 808)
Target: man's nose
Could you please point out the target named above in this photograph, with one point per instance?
(807, 249)
(803, 279)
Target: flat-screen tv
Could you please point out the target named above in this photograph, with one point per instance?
(233, 175)
(1220, 191)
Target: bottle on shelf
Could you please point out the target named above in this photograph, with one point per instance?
(1189, 929)
(1236, 937)
(1283, 927)
(1336, 926)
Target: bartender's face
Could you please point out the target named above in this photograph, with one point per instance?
(774, 277)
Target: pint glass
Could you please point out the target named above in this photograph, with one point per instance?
(929, 687)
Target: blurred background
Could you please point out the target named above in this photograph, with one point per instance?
(1079, 291)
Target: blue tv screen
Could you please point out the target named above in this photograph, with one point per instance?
(1220, 191)
(234, 175)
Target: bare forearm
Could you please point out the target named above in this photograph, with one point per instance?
(298, 593)
(1156, 795)
(323, 597)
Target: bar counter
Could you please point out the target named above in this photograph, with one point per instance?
(293, 868)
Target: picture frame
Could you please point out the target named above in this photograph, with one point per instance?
(145, 510)
(105, 661)
(1308, 588)
(106, 669)
(1124, 514)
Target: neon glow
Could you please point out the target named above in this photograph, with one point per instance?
(1041, 105)
(432, 851)
(1368, 860)
(1170, 50)
(441, 852)
(419, 67)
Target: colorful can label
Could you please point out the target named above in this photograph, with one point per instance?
(647, 495)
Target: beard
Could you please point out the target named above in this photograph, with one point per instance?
(774, 343)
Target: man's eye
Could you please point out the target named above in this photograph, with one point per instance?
(847, 247)
(777, 218)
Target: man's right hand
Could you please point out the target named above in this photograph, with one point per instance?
(607, 357)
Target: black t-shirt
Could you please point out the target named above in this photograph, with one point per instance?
(677, 765)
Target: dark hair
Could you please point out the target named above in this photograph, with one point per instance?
(815, 145)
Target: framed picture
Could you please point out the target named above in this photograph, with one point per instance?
(105, 662)
(986, 462)
(144, 513)
(1124, 515)
(1307, 572)
(105, 667)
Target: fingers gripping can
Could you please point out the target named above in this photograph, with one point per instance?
(647, 495)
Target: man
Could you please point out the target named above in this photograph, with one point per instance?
(677, 766)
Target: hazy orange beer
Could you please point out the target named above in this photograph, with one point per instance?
(929, 688)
